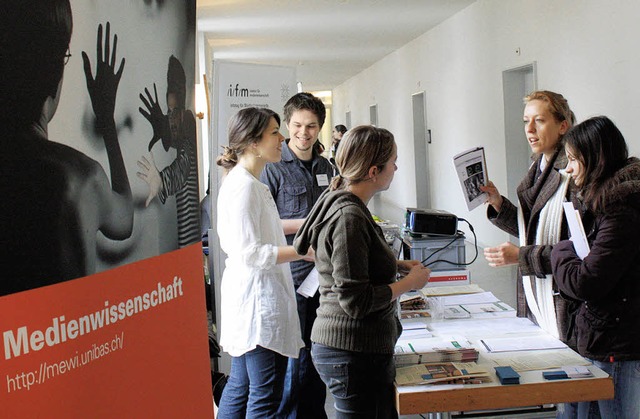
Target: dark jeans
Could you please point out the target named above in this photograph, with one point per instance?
(254, 389)
(361, 383)
(304, 392)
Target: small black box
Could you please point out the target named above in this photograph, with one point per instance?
(431, 222)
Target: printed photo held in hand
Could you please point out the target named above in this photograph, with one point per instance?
(471, 168)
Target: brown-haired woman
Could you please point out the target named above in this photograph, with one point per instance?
(538, 221)
(259, 322)
(356, 329)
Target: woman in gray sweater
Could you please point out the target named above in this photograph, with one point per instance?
(357, 326)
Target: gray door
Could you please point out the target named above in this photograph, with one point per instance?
(421, 149)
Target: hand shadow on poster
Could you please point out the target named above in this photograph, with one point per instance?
(55, 199)
(175, 129)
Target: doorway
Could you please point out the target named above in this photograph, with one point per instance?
(373, 115)
(516, 84)
(421, 150)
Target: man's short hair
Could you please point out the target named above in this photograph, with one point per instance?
(305, 101)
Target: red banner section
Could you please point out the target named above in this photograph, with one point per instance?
(128, 342)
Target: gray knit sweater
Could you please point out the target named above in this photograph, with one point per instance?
(356, 267)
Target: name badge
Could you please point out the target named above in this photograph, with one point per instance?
(323, 180)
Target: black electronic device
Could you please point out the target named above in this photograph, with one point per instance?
(431, 222)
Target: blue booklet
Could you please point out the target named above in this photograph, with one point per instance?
(507, 375)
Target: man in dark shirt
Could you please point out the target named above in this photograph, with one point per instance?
(296, 183)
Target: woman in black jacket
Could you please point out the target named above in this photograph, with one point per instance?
(607, 281)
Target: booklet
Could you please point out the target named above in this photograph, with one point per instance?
(471, 168)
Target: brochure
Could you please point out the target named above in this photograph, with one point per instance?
(471, 168)
(442, 373)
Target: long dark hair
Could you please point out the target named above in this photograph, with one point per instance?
(602, 150)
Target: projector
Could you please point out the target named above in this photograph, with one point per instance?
(431, 222)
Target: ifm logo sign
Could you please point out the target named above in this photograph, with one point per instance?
(237, 91)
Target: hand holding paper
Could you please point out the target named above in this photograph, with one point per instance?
(576, 229)
(471, 168)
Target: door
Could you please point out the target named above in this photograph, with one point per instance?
(421, 149)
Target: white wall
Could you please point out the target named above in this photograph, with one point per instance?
(587, 50)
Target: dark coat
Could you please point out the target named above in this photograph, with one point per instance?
(533, 195)
(607, 281)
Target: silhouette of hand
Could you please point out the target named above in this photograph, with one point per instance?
(103, 88)
(158, 120)
(150, 174)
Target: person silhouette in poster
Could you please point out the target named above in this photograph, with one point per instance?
(176, 129)
(55, 199)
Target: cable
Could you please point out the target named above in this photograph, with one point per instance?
(456, 237)
(475, 244)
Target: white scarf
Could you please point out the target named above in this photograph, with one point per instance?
(548, 233)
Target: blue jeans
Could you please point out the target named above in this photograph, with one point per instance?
(626, 388)
(626, 401)
(361, 383)
(578, 410)
(255, 385)
(304, 392)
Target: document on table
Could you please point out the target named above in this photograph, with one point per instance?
(451, 290)
(578, 236)
(310, 284)
(482, 328)
(531, 361)
(522, 343)
(412, 334)
(481, 297)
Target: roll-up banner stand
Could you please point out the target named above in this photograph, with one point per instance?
(102, 295)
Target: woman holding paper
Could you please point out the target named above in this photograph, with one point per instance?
(606, 283)
(538, 221)
(355, 332)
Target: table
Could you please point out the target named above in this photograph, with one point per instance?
(533, 389)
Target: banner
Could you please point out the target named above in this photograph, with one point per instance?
(238, 86)
(127, 343)
(101, 277)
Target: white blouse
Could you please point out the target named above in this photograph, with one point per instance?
(258, 304)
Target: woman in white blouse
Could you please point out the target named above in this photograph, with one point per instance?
(259, 323)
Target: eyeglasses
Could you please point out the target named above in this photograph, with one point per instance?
(67, 56)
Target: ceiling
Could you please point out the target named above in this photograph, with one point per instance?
(328, 41)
